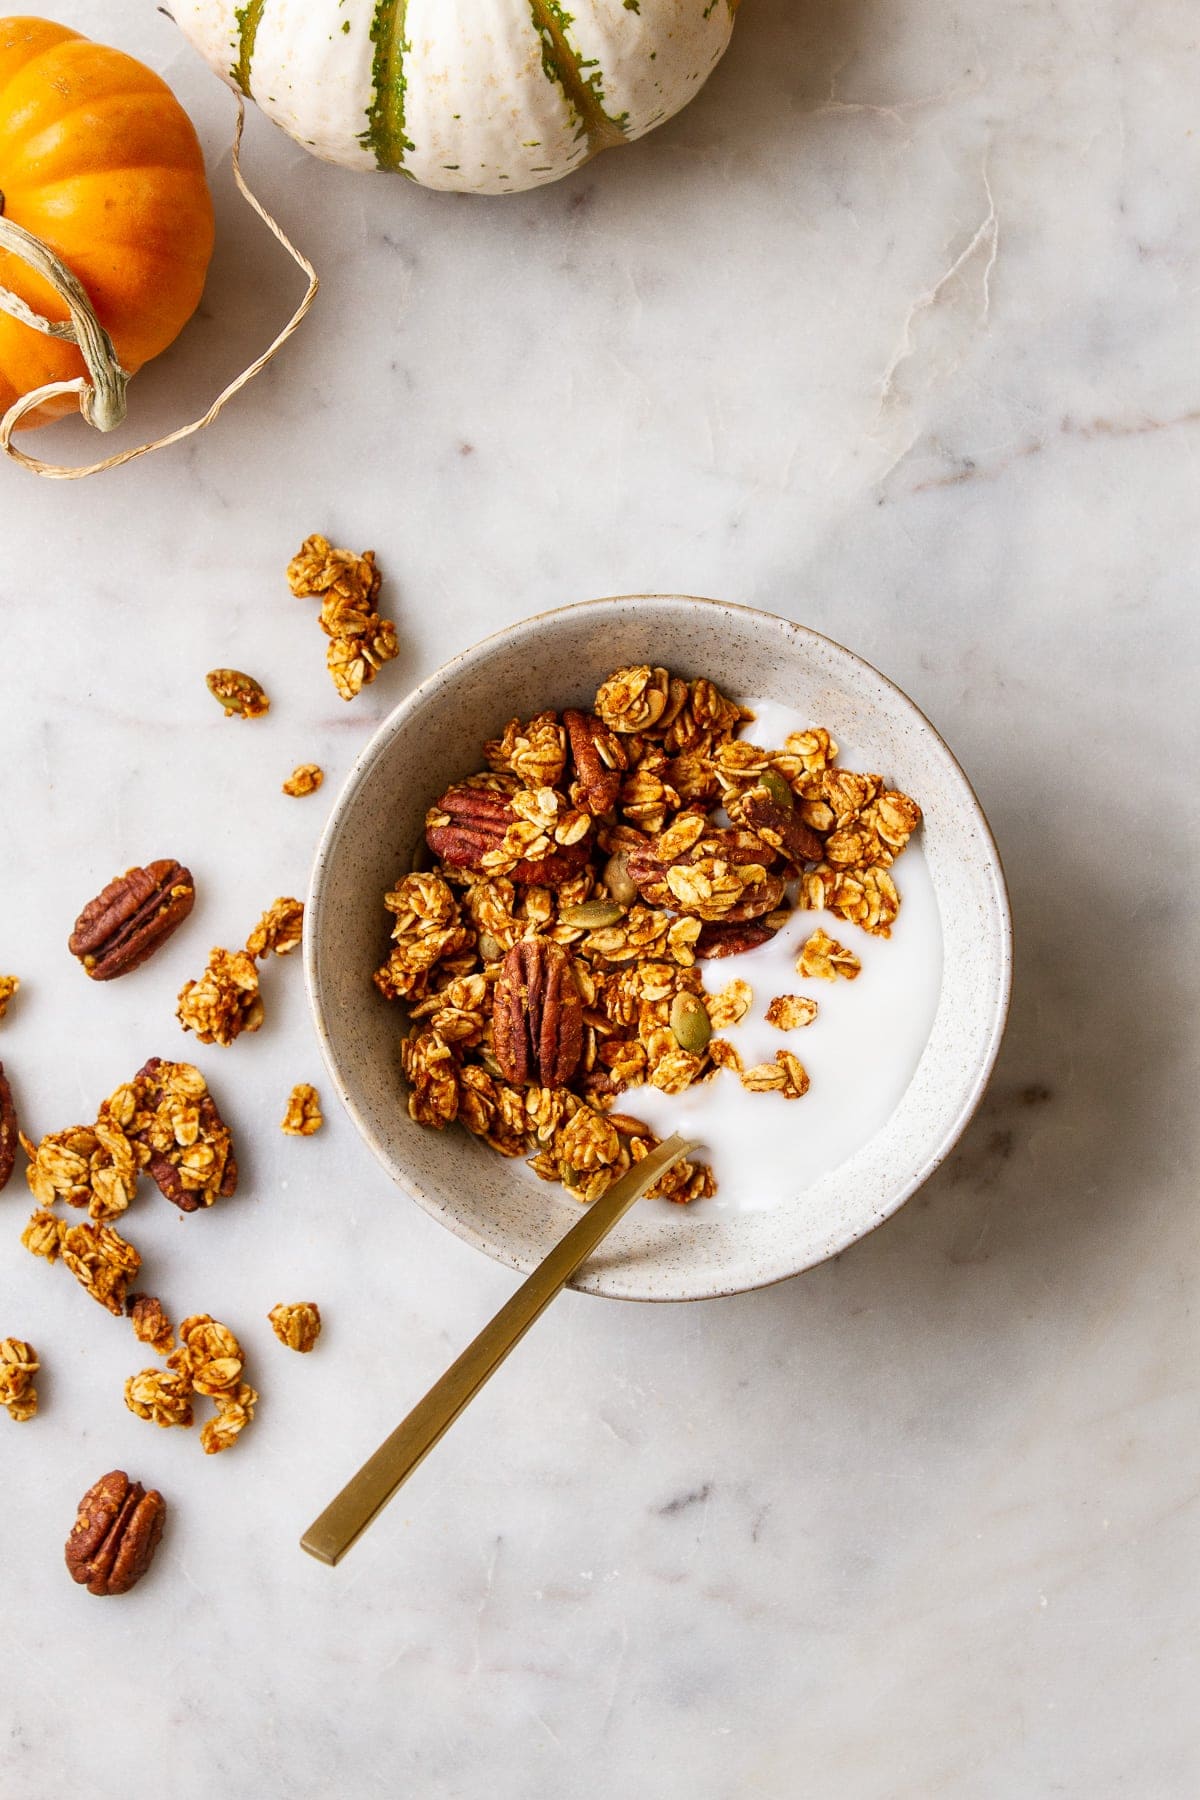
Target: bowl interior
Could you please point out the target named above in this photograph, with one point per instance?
(659, 1252)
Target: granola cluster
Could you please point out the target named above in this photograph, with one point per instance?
(306, 778)
(297, 1325)
(630, 845)
(208, 1361)
(165, 1122)
(18, 1366)
(303, 1116)
(227, 1000)
(360, 641)
(8, 987)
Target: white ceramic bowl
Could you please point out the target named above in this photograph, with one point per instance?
(659, 1252)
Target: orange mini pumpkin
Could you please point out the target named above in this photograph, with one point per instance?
(100, 162)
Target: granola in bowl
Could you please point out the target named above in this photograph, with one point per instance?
(551, 946)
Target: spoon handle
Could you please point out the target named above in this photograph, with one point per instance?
(366, 1494)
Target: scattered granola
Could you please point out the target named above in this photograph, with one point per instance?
(225, 1001)
(550, 956)
(278, 930)
(8, 987)
(9, 1131)
(184, 1142)
(18, 1366)
(348, 588)
(303, 1116)
(822, 958)
(786, 1075)
(164, 1121)
(304, 779)
(207, 1361)
(788, 1012)
(150, 1323)
(238, 693)
(298, 1326)
(102, 1261)
(161, 1395)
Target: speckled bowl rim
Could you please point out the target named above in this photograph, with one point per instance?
(781, 1269)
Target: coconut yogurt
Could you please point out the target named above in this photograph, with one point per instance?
(860, 1051)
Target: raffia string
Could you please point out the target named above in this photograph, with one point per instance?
(101, 398)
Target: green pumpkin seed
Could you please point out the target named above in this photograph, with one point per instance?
(778, 789)
(690, 1023)
(592, 915)
(619, 881)
(237, 693)
(490, 948)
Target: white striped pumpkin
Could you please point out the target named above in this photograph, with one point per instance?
(480, 96)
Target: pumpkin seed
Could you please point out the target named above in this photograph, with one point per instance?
(490, 948)
(491, 1065)
(592, 915)
(690, 1023)
(237, 693)
(619, 881)
(778, 789)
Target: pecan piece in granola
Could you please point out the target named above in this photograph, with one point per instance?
(538, 1015)
(130, 918)
(9, 1132)
(187, 1144)
(713, 874)
(116, 1532)
(600, 762)
(469, 824)
(732, 940)
(781, 828)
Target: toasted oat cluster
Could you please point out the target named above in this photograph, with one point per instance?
(549, 947)
(209, 1362)
(297, 1324)
(227, 1000)
(8, 987)
(303, 1116)
(306, 778)
(18, 1366)
(360, 642)
(165, 1122)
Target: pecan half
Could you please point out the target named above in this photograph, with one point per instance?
(207, 1160)
(537, 1015)
(784, 830)
(9, 1134)
(731, 940)
(473, 820)
(600, 760)
(130, 918)
(649, 869)
(115, 1534)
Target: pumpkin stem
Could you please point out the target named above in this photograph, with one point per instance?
(102, 401)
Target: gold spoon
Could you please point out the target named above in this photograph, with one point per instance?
(366, 1494)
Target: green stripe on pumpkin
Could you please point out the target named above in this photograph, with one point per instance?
(584, 92)
(247, 19)
(385, 134)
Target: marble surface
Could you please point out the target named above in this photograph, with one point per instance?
(893, 331)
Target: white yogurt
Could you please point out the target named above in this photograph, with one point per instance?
(860, 1051)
